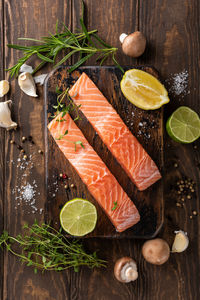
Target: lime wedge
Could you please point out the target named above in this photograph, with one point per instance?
(78, 217)
(183, 125)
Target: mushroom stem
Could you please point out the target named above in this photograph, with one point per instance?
(131, 274)
(122, 37)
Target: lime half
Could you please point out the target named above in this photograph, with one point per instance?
(78, 217)
(183, 125)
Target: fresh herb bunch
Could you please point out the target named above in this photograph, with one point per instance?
(62, 109)
(44, 248)
(85, 43)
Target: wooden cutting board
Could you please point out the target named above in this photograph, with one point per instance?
(147, 126)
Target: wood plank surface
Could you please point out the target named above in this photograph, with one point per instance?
(172, 30)
(32, 19)
(2, 149)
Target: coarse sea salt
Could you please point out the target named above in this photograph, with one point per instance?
(26, 193)
(178, 83)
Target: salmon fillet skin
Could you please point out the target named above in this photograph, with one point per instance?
(114, 133)
(94, 173)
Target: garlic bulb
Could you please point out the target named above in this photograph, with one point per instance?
(4, 87)
(27, 84)
(5, 116)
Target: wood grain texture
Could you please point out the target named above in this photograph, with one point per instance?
(174, 47)
(172, 30)
(25, 18)
(2, 143)
(149, 202)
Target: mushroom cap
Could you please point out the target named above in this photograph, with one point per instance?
(134, 44)
(119, 267)
(156, 251)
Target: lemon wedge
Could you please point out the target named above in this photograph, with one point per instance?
(143, 90)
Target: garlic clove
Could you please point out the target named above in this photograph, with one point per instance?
(40, 78)
(4, 87)
(181, 242)
(27, 84)
(5, 116)
(26, 68)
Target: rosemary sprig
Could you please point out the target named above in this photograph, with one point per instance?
(44, 248)
(86, 43)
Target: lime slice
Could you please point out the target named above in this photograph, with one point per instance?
(183, 125)
(78, 217)
(143, 90)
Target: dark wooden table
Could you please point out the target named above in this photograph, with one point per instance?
(172, 30)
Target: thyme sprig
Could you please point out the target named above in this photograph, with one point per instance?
(45, 248)
(62, 109)
(85, 43)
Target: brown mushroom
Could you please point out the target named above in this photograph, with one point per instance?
(133, 44)
(125, 270)
(156, 251)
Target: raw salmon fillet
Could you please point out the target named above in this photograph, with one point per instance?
(100, 182)
(114, 133)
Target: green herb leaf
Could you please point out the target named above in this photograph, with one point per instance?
(44, 57)
(66, 132)
(80, 62)
(65, 58)
(115, 205)
(58, 91)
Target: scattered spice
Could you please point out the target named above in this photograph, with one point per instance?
(19, 147)
(185, 188)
